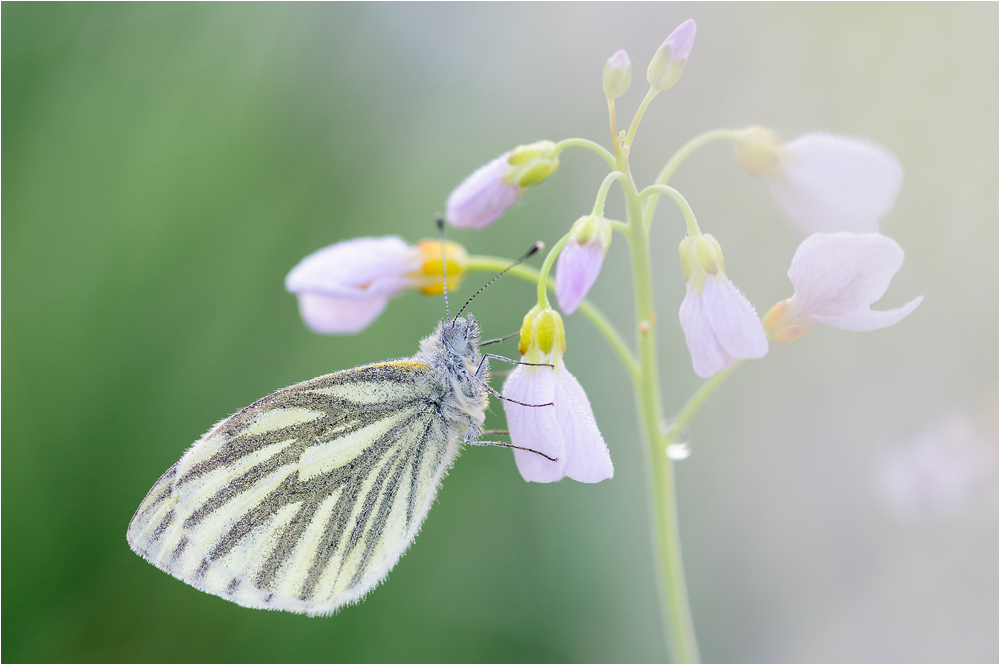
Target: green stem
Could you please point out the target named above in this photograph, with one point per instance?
(678, 198)
(588, 309)
(613, 117)
(695, 402)
(543, 275)
(596, 148)
(678, 158)
(602, 191)
(641, 111)
(676, 612)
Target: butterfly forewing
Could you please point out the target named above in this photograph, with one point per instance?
(304, 500)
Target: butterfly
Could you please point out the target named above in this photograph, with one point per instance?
(304, 500)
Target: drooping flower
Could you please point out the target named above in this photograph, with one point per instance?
(720, 325)
(617, 74)
(566, 430)
(824, 182)
(495, 187)
(837, 277)
(667, 64)
(580, 261)
(344, 287)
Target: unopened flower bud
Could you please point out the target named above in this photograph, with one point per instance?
(668, 62)
(617, 74)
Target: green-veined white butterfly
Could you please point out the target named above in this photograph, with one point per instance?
(304, 500)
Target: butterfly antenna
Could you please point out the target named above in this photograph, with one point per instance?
(444, 264)
(537, 247)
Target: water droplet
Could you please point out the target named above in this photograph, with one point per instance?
(679, 451)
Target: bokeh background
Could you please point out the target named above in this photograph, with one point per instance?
(164, 166)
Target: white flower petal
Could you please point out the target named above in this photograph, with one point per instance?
(356, 268)
(866, 320)
(835, 274)
(587, 456)
(835, 183)
(331, 315)
(733, 319)
(536, 428)
(707, 356)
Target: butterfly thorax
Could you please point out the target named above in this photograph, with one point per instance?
(453, 349)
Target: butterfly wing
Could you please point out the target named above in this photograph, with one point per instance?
(304, 500)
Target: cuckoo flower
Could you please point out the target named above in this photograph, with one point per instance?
(580, 261)
(720, 325)
(837, 277)
(667, 64)
(824, 182)
(344, 287)
(487, 193)
(566, 430)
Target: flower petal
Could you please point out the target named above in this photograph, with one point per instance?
(707, 356)
(536, 428)
(331, 315)
(587, 456)
(356, 268)
(577, 269)
(482, 197)
(733, 319)
(866, 320)
(835, 183)
(835, 274)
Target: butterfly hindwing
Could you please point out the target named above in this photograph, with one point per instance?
(304, 500)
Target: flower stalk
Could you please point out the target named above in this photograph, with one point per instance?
(660, 472)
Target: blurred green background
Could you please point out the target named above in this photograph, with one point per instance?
(164, 166)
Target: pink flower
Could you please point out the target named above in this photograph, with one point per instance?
(667, 64)
(495, 187)
(482, 197)
(824, 182)
(344, 287)
(580, 261)
(837, 277)
(720, 325)
(566, 430)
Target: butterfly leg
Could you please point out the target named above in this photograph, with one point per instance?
(500, 339)
(470, 438)
(493, 392)
(482, 362)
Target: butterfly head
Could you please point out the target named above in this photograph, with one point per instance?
(460, 337)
